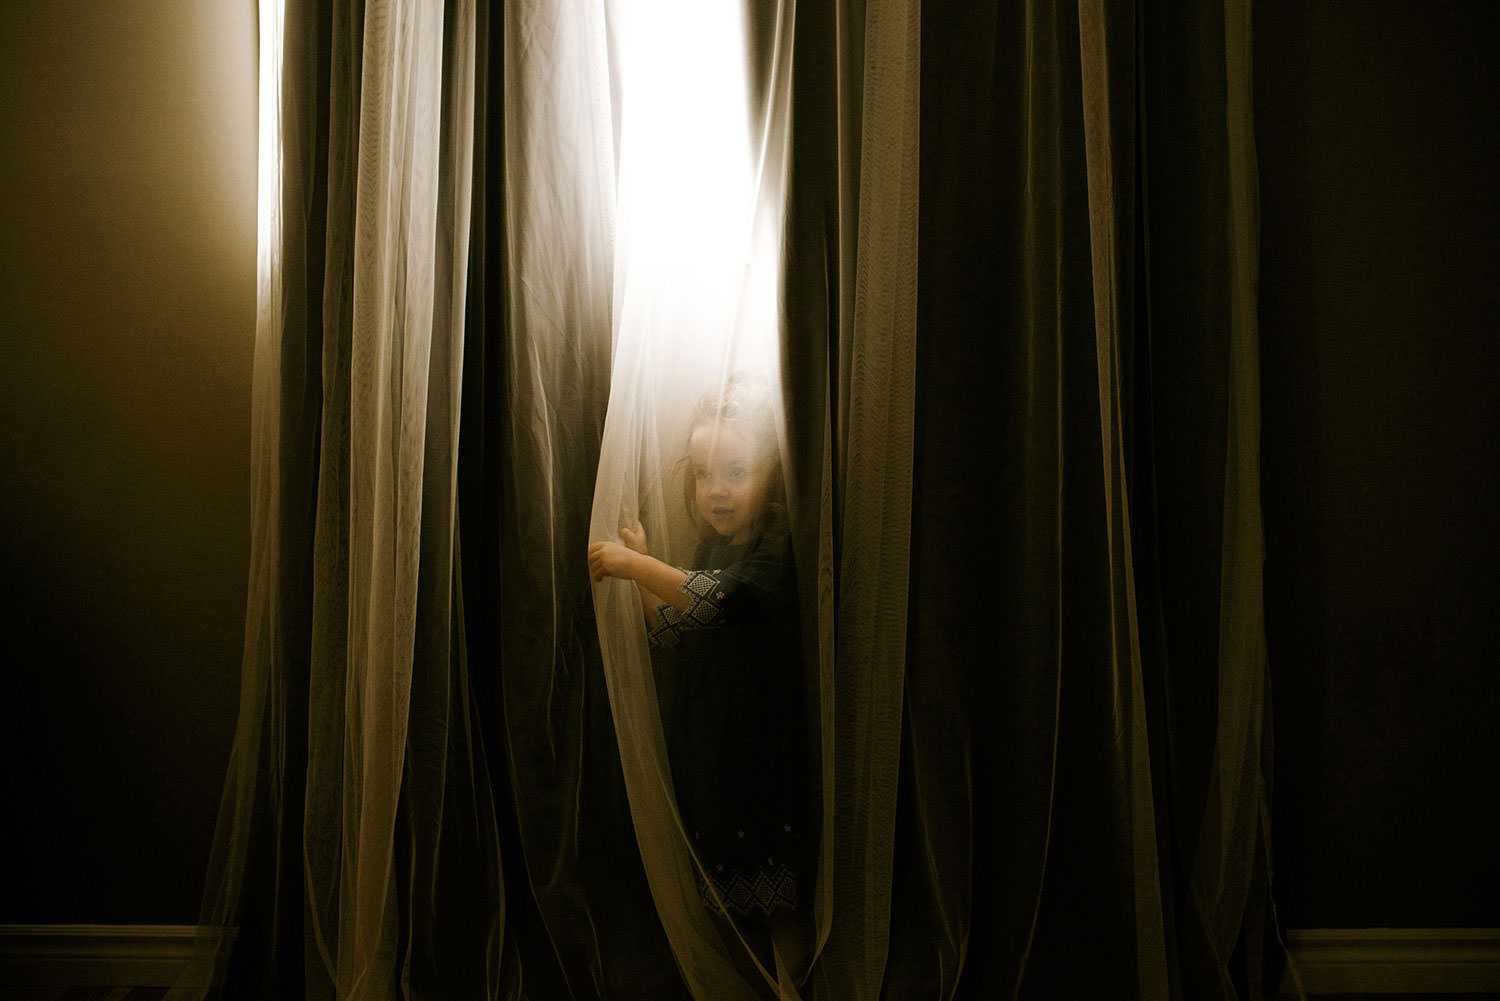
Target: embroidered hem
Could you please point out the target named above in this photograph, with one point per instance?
(765, 890)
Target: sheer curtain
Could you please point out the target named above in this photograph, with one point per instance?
(996, 267)
(356, 848)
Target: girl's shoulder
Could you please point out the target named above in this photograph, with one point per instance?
(764, 563)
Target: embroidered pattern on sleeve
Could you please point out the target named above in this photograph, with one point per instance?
(705, 609)
(668, 622)
(706, 591)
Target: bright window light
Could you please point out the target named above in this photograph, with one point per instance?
(697, 257)
(268, 171)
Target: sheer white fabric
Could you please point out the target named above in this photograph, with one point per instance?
(670, 171)
(646, 159)
(700, 181)
(409, 273)
(399, 181)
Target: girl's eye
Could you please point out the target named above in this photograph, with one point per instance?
(736, 472)
(702, 474)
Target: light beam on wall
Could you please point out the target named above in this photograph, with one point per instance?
(268, 170)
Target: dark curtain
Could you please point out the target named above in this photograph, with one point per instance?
(1081, 808)
(1086, 496)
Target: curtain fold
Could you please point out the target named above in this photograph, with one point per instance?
(870, 472)
(354, 858)
(595, 932)
(1108, 69)
(1079, 772)
(1011, 343)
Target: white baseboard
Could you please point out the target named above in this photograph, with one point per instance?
(97, 955)
(1394, 960)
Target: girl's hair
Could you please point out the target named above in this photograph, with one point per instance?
(745, 403)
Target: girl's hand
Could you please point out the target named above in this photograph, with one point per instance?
(635, 538)
(610, 559)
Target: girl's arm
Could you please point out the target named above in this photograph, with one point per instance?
(635, 538)
(656, 581)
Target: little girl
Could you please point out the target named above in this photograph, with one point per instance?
(737, 743)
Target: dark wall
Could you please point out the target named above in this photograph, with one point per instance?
(127, 322)
(1380, 330)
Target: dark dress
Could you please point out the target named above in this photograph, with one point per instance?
(737, 741)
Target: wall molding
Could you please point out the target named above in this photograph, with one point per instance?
(1327, 960)
(78, 955)
(1394, 960)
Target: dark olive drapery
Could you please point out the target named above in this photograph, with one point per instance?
(1086, 753)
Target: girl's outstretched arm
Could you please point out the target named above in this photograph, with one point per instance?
(657, 581)
(635, 538)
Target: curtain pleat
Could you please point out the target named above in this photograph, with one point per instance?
(370, 835)
(1233, 850)
(595, 932)
(252, 888)
(1107, 38)
(328, 654)
(1085, 445)
(872, 494)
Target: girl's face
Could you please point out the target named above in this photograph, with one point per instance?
(732, 481)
